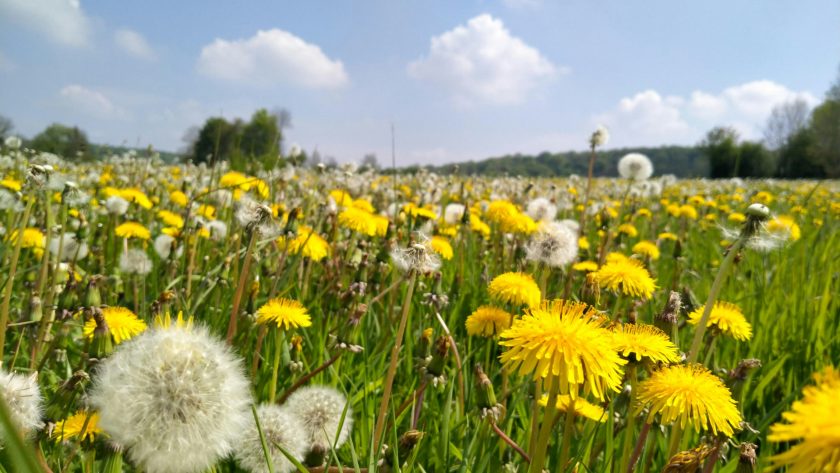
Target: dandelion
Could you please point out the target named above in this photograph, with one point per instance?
(418, 257)
(178, 198)
(122, 323)
(646, 248)
(175, 398)
(308, 243)
(171, 219)
(116, 205)
(218, 230)
(285, 313)
(812, 422)
(70, 246)
(32, 238)
(163, 245)
(638, 342)
(585, 266)
(628, 229)
(23, 398)
(82, 425)
(635, 166)
(453, 214)
(134, 261)
(785, 227)
(137, 196)
(628, 277)
(582, 407)
(600, 137)
(562, 342)
(516, 289)
(358, 220)
(320, 410)
(488, 321)
(689, 394)
(279, 427)
(541, 210)
(442, 247)
(554, 245)
(130, 230)
(727, 318)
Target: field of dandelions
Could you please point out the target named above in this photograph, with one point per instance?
(181, 318)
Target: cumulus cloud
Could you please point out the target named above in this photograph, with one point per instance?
(270, 57)
(648, 118)
(62, 21)
(134, 44)
(89, 102)
(481, 62)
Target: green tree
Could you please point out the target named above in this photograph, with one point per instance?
(218, 140)
(721, 147)
(797, 158)
(261, 136)
(62, 140)
(754, 160)
(825, 127)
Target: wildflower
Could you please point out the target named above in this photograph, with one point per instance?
(341, 198)
(509, 218)
(516, 289)
(442, 247)
(561, 342)
(541, 210)
(122, 323)
(488, 321)
(171, 219)
(418, 257)
(639, 341)
(218, 230)
(70, 246)
(130, 230)
(11, 184)
(453, 214)
(667, 236)
(737, 217)
(690, 394)
(175, 398)
(647, 249)
(254, 216)
(82, 425)
(583, 243)
(628, 229)
(478, 226)
(358, 220)
(419, 212)
(286, 313)
(179, 198)
(727, 318)
(582, 407)
(137, 196)
(116, 205)
(635, 166)
(163, 245)
(784, 226)
(627, 276)
(134, 261)
(32, 238)
(585, 266)
(12, 142)
(554, 245)
(812, 422)
(279, 427)
(23, 398)
(600, 137)
(321, 410)
(308, 243)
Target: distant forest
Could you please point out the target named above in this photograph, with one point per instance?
(681, 161)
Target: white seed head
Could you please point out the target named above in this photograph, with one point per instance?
(453, 214)
(541, 210)
(279, 427)
(71, 247)
(600, 136)
(635, 166)
(134, 261)
(760, 211)
(554, 245)
(319, 409)
(218, 230)
(23, 397)
(116, 205)
(175, 398)
(418, 256)
(163, 245)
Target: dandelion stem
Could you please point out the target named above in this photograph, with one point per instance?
(510, 442)
(275, 366)
(392, 368)
(240, 288)
(538, 454)
(309, 376)
(7, 296)
(640, 444)
(568, 431)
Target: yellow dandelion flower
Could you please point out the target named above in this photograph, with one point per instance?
(341, 198)
(585, 266)
(308, 243)
(509, 218)
(689, 394)
(286, 313)
(171, 219)
(132, 230)
(442, 247)
(233, 179)
(516, 289)
(812, 422)
(83, 424)
(179, 198)
(122, 323)
(646, 248)
(363, 204)
(737, 217)
(207, 211)
(171, 231)
(478, 226)
(11, 184)
(583, 243)
(561, 342)
(644, 212)
(165, 321)
(786, 226)
(667, 236)
(726, 317)
(615, 257)
(628, 277)
(582, 407)
(380, 224)
(137, 196)
(32, 238)
(416, 211)
(628, 229)
(358, 220)
(639, 341)
(488, 321)
(763, 197)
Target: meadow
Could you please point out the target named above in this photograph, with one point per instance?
(181, 318)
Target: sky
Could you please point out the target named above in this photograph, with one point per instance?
(459, 80)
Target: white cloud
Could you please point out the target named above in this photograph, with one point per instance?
(134, 44)
(62, 21)
(89, 102)
(270, 57)
(483, 62)
(647, 118)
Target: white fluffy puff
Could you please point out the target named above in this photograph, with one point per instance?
(635, 166)
(541, 210)
(319, 409)
(279, 427)
(175, 398)
(554, 244)
(23, 397)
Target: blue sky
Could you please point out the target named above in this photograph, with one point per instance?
(460, 80)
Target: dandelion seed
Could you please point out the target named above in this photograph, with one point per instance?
(116, 205)
(554, 245)
(635, 166)
(279, 427)
(23, 398)
(319, 409)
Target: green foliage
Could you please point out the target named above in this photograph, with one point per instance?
(238, 142)
(797, 158)
(721, 149)
(69, 142)
(825, 126)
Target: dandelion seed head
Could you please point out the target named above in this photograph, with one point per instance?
(116, 205)
(635, 166)
(23, 397)
(553, 244)
(135, 261)
(278, 426)
(319, 409)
